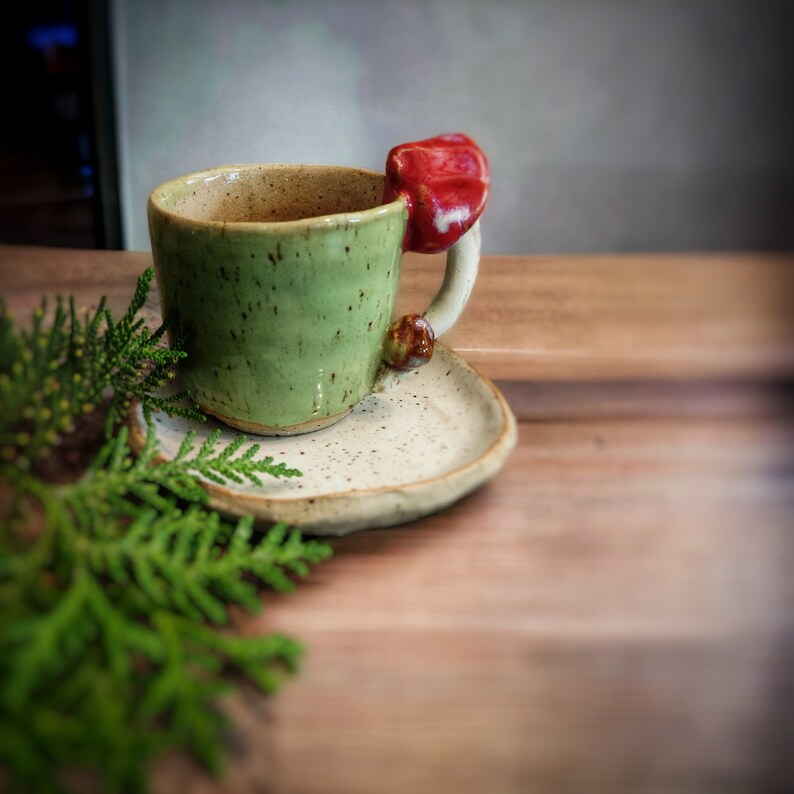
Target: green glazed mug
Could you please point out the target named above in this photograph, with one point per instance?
(281, 280)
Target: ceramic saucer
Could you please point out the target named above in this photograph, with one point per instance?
(399, 455)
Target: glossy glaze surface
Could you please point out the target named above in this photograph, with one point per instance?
(409, 342)
(399, 455)
(446, 183)
(282, 279)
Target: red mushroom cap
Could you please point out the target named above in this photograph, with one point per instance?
(446, 183)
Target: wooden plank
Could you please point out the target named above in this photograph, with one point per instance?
(622, 317)
(28, 272)
(647, 399)
(582, 318)
(611, 614)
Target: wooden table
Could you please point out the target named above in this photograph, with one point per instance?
(614, 612)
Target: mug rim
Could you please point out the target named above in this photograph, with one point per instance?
(332, 219)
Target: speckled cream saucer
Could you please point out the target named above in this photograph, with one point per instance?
(402, 454)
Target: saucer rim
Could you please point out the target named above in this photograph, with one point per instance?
(467, 477)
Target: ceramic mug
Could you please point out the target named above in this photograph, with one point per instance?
(281, 281)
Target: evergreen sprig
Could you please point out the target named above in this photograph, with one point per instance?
(225, 466)
(115, 588)
(59, 370)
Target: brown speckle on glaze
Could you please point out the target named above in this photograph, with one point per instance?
(238, 276)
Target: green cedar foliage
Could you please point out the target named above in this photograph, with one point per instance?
(114, 588)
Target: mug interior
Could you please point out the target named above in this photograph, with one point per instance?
(270, 193)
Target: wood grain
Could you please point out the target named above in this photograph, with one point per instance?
(612, 614)
(622, 317)
(587, 318)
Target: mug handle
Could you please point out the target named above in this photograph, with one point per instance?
(460, 273)
(409, 341)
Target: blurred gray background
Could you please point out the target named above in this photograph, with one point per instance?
(611, 125)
